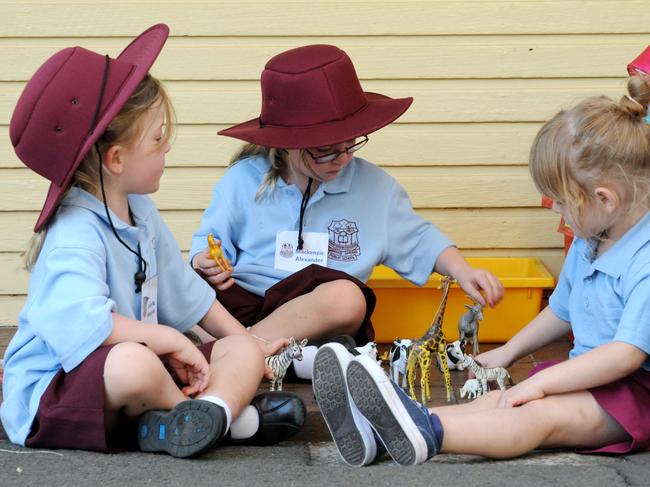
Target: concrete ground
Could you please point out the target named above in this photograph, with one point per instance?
(310, 458)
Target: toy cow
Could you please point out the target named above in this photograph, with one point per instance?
(398, 357)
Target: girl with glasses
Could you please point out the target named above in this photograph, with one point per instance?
(304, 221)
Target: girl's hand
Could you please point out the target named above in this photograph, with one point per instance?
(211, 271)
(270, 348)
(520, 394)
(473, 281)
(498, 357)
(191, 367)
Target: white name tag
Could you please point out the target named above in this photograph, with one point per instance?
(289, 258)
(148, 301)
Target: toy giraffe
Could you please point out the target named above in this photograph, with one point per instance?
(217, 254)
(433, 340)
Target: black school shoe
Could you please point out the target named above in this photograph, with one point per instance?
(190, 428)
(281, 414)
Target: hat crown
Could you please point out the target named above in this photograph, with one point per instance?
(54, 115)
(310, 85)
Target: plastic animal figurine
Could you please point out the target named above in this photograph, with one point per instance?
(432, 341)
(472, 389)
(279, 363)
(468, 324)
(484, 375)
(397, 360)
(217, 254)
(455, 353)
(369, 350)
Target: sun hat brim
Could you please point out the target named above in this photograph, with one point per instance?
(141, 54)
(379, 111)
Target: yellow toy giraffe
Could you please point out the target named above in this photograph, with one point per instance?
(432, 341)
(217, 254)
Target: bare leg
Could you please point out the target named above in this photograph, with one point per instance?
(136, 380)
(236, 369)
(566, 420)
(331, 308)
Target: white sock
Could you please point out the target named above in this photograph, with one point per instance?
(220, 402)
(246, 424)
(304, 367)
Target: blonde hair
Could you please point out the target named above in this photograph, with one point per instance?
(125, 129)
(599, 141)
(277, 164)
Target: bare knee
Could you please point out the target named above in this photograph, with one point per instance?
(242, 348)
(346, 304)
(132, 368)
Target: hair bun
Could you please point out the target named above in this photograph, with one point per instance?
(636, 103)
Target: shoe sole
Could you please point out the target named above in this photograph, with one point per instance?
(352, 435)
(190, 428)
(374, 396)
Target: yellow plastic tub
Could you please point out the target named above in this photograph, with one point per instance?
(406, 311)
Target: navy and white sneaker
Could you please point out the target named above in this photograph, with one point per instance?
(405, 427)
(351, 432)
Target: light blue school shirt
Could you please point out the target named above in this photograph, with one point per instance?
(362, 204)
(608, 298)
(83, 274)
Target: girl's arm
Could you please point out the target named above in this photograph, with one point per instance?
(160, 339)
(219, 323)
(545, 328)
(602, 365)
(450, 262)
(187, 360)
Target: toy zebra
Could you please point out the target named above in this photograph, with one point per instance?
(484, 375)
(280, 363)
(472, 389)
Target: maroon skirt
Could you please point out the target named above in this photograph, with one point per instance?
(250, 308)
(627, 401)
(71, 412)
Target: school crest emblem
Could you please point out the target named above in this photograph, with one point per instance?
(343, 244)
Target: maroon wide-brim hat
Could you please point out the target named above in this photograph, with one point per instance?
(640, 63)
(311, 97)
(63, 109)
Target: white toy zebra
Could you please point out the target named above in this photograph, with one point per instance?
(484, 375)
(398, 357)
(472, 389)
(280, 363)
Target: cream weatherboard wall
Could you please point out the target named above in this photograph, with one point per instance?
(484, 75)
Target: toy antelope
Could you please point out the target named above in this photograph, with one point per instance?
(217, 254)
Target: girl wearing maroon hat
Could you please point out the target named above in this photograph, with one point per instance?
(304, 221)
(90, 361)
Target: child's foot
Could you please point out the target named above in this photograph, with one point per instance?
(402, 424)
(351, 432)
(191, 427)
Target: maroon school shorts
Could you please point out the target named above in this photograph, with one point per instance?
(250, 308)
(71, 411)
(627, 401)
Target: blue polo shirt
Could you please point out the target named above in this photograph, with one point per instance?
(608, 298)
(364, 202)
(83, 274)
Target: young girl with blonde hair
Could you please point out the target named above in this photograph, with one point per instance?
(91, 359)
(594, 161)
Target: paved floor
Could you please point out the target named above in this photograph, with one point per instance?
(310, 459)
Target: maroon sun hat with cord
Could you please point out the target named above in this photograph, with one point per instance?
(67, 105)
(312, 97)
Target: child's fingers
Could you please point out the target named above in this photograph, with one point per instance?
(226, 284)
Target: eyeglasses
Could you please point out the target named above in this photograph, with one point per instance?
(333, 155)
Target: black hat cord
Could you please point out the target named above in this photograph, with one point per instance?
(303, 207)
(141, 275)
